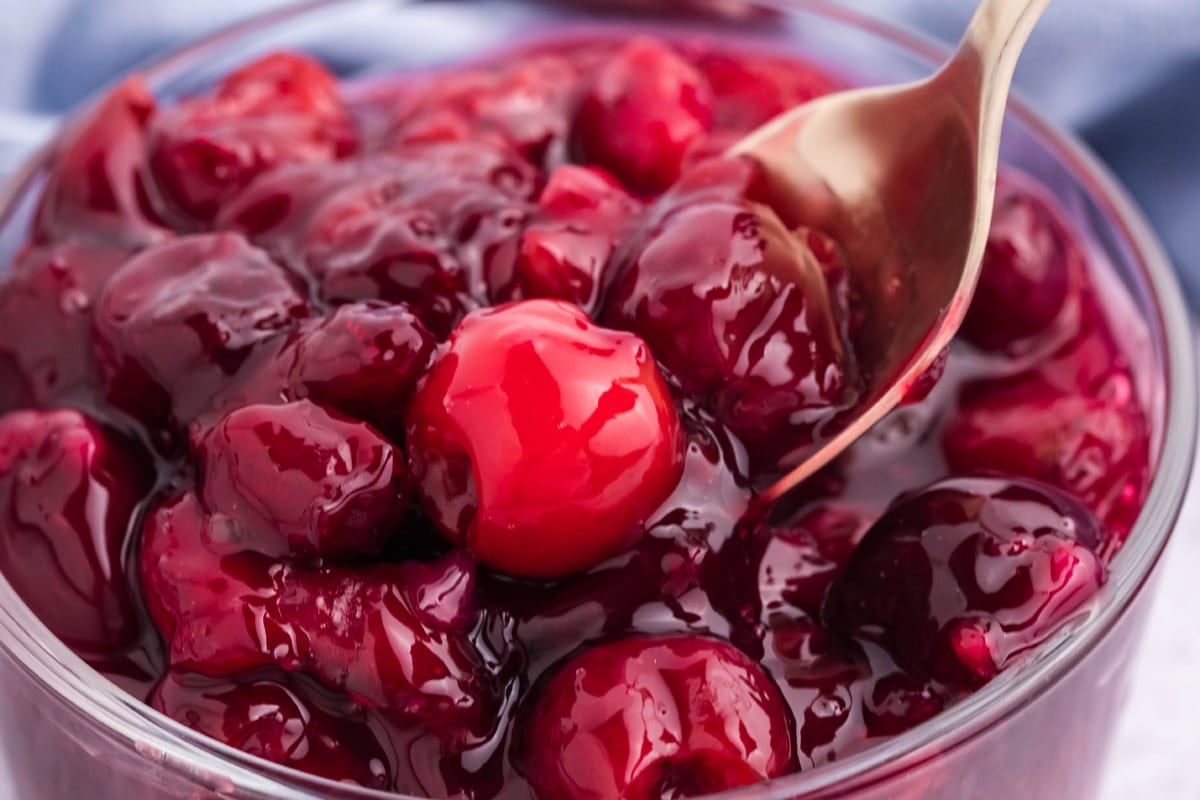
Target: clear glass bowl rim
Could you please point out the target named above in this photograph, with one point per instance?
(170, 746)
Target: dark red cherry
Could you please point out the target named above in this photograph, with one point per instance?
(397, 637)
(304, 482)
(959, 579)
(897, 702)
(649, 718)
(1031, 266)
(69, 490)
(363, 360)
(1092, 445)
(94, 190)
(46, 305)
(177, 321)
(542, 442)
(565, 252)
(749, 92)
(282, 109)
(281, 719)
(736, 308)
(644, 108)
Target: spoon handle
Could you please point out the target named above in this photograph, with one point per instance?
(982, 69)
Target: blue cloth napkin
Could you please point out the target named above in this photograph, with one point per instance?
(1124, 75)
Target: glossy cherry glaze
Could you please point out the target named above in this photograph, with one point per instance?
(269, 306)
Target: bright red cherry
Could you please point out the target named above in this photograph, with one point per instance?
(95, 188)
(542, 442)
(281, 109)
(69, 490)
(961, 578)
(650, 718)
(304, 482)
(644, 108)
(177, 321)
(281, 719)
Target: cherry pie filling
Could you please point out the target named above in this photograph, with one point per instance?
(406, 434)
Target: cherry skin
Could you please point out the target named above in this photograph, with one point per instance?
(396, 637)
(647, 718)
(68, 492)
(645, 107)
(280, 719)
(179, 319)
(542, 442)
(737, 309)
(46, 305)
(959, 579)
(1030, 268)
(304, 482)
(566, 252)
(95, 186)
(1092, 445)
(282, 109)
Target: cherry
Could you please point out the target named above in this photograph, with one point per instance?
(749, 92)
(179, 319)
(281, 719)
(526, 104)
(1092, 445)
(647, 718)
(304, 482)
(542, 442)
(362, 360)
(566, 250)
(94, 189)
(961, 578)
(397, 637)
(68, 492)
(897, 702)
(1030, 268)
(737, 310)
(46, 305)
(282, 109)
(642, 111)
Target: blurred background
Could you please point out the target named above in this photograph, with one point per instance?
(1123, 74)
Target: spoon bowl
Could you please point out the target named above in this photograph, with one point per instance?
(904, 179)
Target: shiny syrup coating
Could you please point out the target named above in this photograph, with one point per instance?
(254, 303)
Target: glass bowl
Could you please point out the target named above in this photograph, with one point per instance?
(1038, 731)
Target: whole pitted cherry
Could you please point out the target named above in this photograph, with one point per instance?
(959, 579)
(177, 321)
(69, 490)
(280, 719)
(583, 215)
(651, 718)
(1030, 268)
(304, 482)
(1090, 443)
(281, 109)
(644, 108)
(46, 304)
(95, 188)
(542, 442)
(736, 308)
(396, 637)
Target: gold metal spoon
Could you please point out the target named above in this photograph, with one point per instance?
(904, 178)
